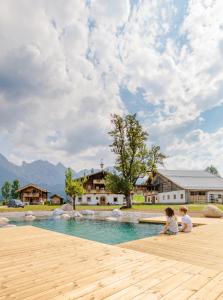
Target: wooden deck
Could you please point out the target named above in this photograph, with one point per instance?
(40, 264)
(202, 247)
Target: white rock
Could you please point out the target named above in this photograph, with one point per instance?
(111, 219)
(29, 218)
(58, 212)
(10, 225)
(212, 211)
(29, 213)
(76, 214)
(117, 213)
(65, 217)
(67, 207)
(87, 212)
(3, 221)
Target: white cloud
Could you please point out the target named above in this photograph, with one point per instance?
(62, 66)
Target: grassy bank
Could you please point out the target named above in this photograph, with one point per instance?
(136, 207)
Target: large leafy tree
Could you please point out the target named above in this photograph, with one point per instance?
(73, 188)
(213, 170)
(129, 147)
(6, 191)
(14, 187)
(155, 158)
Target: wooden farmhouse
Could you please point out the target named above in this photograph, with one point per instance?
(56, 199)
(95, 192)
(182, 186)
(33, 194)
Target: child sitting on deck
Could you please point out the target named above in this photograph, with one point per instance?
(171, 226)
(186, 223)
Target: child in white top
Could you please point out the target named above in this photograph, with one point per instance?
(186, 223)
(171, 226)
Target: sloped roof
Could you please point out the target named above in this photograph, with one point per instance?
(56, 195)
(33, 185)
(92, 174)
(193, 179)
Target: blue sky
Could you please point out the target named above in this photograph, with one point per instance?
(76, 63)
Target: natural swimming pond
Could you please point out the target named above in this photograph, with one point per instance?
(100, 231)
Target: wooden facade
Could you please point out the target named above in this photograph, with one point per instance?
(95, 183)
(33, 194)
(56, 199)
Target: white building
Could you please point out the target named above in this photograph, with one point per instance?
(183, 186)
(96, 194)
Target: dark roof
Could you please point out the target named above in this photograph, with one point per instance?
(33, 185)
(56, 195)
(91, 174)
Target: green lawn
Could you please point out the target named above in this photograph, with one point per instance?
(138, 198)
(136, 207)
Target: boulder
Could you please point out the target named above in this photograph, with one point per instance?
(3, 221)
(10, 225)
(65, 217)
(29, 213)
(76, 214)
(117, 213)
(212, 211)
(58, 212)
(111, 219)
(87, 212)
(67, 207)
(29, 218)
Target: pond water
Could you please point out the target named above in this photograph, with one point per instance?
(101, 231)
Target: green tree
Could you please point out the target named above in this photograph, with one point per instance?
(129, 147)
(213, 170)
(14, 187)
(73, 187)
(6, 191)
(155, 158)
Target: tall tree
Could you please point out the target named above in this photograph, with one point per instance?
(73, 187)
(129, 147)
(6, 191)
(155, 158)
(14, 187)
(213, 170)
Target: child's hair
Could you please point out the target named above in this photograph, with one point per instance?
(169, 212)
(183, 209)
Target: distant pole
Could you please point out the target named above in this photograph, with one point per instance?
(102, 164)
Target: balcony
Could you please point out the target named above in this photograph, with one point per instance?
(31, 195)
(98, 181)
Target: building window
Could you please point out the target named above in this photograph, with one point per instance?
(202, 193)
(168, 197)
(79, 199)
(181, 196)
(219, 196)
(88, 199)
(96, 198)
(174, 197)
(115, 199)
(163, 197)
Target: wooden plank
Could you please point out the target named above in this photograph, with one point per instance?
(39, 264)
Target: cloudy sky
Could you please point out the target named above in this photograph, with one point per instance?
(65, 66)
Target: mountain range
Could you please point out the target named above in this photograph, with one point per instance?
(40, 172)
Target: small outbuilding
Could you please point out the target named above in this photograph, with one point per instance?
(56, 199)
